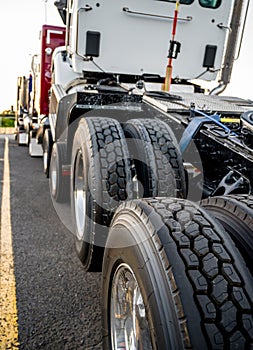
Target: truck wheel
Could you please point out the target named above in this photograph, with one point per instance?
(100, 179)
(157, 158)
(59, 184)
(173, 279)
(235, 213)
(47, 145)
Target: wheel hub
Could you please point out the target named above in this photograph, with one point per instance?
(79, 195)
(129, 324)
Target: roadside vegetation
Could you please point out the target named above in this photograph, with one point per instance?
(7, 118)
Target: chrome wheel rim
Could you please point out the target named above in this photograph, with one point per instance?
(45, 160)
(53, 177)
(79, 195)
(128, 317)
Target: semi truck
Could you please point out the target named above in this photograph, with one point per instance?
(33, 91)
(156, 167)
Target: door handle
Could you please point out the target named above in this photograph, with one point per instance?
(87, 8)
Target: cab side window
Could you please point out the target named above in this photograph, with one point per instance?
(214, 4)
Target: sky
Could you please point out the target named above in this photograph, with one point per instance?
(20, 24)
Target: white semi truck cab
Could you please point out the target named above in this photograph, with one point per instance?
(133, 39)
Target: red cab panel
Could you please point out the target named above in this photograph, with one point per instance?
(51, 37)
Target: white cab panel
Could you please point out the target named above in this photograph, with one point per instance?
(136, 41)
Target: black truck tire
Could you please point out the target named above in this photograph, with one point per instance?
(100, 178)
(59, 184)
(158, 161)
(235, 213)
(174, 279)
(47, 145)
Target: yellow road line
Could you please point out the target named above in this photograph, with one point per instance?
(8, 307)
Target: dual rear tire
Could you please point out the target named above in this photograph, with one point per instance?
(174, 275)
(104, 171)
(174, 279)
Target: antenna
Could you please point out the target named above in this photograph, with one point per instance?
(45, 1)
(173, 50)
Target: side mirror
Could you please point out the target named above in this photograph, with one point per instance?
(62, 9)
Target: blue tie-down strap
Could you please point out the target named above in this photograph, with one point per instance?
(196, 124)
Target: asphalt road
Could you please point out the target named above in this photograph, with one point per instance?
(58, 304)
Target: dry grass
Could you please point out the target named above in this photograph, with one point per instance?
(6, 131)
